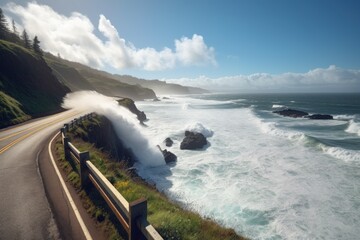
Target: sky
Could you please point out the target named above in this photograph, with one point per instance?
(240, 45)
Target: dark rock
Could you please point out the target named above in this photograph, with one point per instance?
(320, 117)
(193, 141)
(130, 104)
(141, 116)
(165, 98)
(168, 142)
(169, 156)
(291, 113)
(156, 100)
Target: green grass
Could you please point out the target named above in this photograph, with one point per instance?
(10, 111)
(170, 220)
(16, 49)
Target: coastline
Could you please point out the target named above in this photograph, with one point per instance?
(171, 220)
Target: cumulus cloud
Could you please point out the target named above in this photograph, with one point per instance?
(194, 51)
(331, 79)
(75, 39)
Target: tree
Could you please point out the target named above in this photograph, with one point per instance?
(4, 31)
(25, 38)
(36, 46)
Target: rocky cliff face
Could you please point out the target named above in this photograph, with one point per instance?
(100, 132)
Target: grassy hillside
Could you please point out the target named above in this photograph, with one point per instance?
(69, 76)
(137, 86)
(80, 77)
(160, 87)
(27, 85)
(10, 111)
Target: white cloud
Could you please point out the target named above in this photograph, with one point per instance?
(331, 79)
(74, 38)
(194, 51)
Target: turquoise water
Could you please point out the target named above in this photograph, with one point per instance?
(264, 175)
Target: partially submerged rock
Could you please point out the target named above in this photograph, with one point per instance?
(320, 117)
(300, 114)
(291, 113)
(168, 142)
(169, 157)
(193, 140)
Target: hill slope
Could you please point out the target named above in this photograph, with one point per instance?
(80, 77)
(97, 79)
(27, 85)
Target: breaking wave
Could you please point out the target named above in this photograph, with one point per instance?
(124, 122)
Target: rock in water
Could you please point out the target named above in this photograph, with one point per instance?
(291, 113)
(320, 117)
(169, 156)
(168, 142)
(193, 141)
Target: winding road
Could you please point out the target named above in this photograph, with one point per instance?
(29, 201)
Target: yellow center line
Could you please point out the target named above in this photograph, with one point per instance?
(33, 132)
(26, 129)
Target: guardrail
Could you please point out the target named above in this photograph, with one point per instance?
(132, 216)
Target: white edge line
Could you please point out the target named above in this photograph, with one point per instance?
(71, 201)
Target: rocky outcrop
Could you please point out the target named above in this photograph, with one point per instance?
(300, 114)
(130, 104)
(193, 141)
(169, 142)
(291, 113)
(320, 117)
(169, 157)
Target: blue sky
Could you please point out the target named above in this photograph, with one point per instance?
(236, 38)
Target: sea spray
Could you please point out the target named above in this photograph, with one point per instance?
(354, 127)
(125, 123)
(199, 128)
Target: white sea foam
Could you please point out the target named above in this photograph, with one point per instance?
(252, 178)
(277, 106)
(199, 128)
(342, 154)
(125, 123)
(344, 117)
(257, 177)
(273, 129)
(354, 127)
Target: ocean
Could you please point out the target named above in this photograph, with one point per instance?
(262, 174)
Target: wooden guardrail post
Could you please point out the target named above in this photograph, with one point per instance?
(65, 142)
(84, 171)
(66, 126)
(137, 212)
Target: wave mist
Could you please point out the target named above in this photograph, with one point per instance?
(125, 123)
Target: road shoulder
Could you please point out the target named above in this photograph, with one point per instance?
(68, 224)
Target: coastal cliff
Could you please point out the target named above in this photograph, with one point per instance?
(100, 132)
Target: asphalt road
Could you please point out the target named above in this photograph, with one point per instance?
(25, 211)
